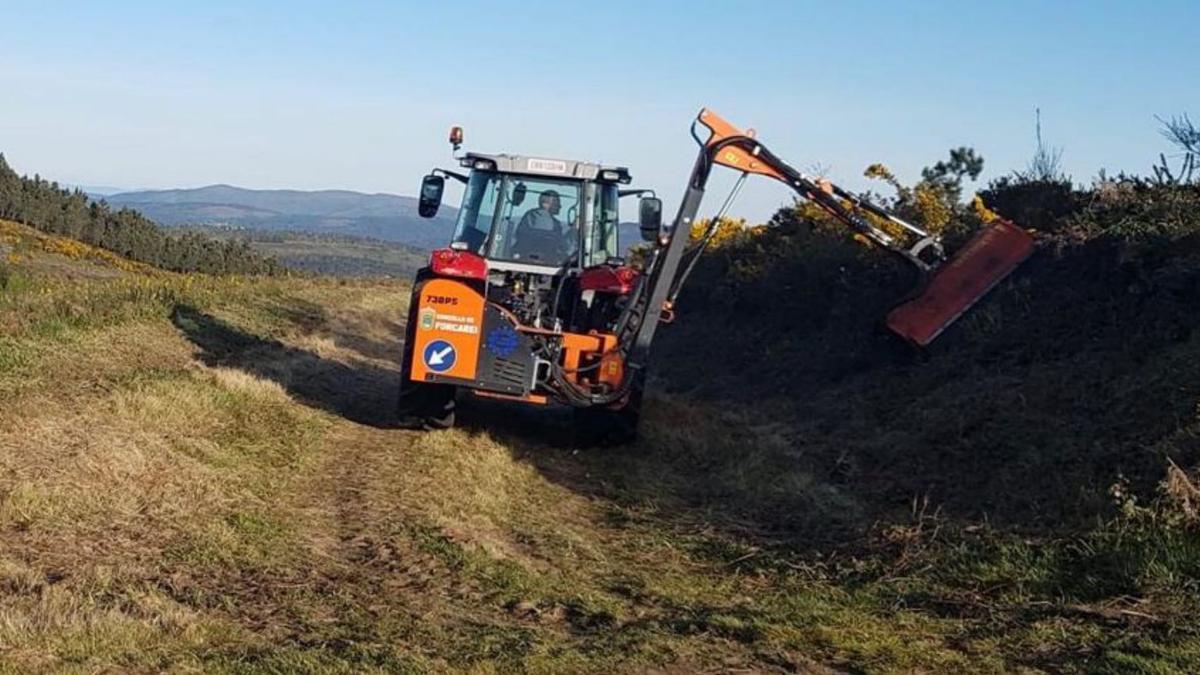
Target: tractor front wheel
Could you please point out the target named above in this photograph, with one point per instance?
(426, 406)
(421, 405)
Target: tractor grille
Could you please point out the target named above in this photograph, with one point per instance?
(509, 372)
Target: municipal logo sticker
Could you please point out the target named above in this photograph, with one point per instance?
(428, 317)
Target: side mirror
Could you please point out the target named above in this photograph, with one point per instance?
(518, 196)
(431, 195)
(650, 217)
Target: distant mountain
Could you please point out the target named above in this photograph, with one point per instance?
(629, 235)
(381, 216)
(94, 191)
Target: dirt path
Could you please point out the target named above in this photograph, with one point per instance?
(451, 549)
(222, 489)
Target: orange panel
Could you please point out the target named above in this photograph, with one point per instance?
(734, 158)
(612, 367)
(536, 399)
(446, 340)
(602, 345)
(982, 263)
(574, 347)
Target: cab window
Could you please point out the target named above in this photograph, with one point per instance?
(538, 221)
(602, 242)
(477, 212)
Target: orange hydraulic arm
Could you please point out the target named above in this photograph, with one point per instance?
(950, 286)
(756, 159)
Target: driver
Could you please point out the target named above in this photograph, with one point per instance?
(540, 234)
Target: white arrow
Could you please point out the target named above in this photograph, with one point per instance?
(438, 358)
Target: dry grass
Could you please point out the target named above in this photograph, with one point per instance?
(202, 477)
(1184, 491)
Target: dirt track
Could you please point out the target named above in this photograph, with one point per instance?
(224, 488)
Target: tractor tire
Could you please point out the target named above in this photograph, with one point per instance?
(606, 427)
(421, 405)
(426, 406)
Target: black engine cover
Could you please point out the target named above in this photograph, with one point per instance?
(506, 362)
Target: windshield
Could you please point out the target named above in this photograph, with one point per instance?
(478, 208)
(535, 220)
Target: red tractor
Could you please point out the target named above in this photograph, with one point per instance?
(532, 300)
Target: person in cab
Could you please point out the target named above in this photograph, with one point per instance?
(541, 235)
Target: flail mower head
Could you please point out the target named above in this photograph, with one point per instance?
(961, 281)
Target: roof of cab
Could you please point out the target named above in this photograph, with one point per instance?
(562, 168)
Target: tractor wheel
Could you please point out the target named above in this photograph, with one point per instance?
(426, 406)
(421, 405)
(606, 427)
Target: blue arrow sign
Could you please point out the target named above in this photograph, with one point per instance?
(439, 356)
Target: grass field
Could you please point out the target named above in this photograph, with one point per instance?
(202, 475)
(343, 256)
(326, 254)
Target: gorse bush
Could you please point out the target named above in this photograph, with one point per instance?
(1028, 408)
(935, 202)
(1035, 203)
(727, 230)
(1134, 210)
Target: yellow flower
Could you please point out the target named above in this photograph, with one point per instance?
(985, 214)
(935, 213)
(727, 229)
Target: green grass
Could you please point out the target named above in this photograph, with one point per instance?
(199, 475)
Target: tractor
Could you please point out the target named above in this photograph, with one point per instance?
(533, 301)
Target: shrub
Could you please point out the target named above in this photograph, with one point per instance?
(935, 202)
(1097, 334)
(1138, 211)
(1038, 203)
(727, 230)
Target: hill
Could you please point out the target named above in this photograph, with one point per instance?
(380, 216)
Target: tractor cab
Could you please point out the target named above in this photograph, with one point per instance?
(535, 214)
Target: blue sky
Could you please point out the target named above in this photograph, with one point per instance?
(359, 95)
